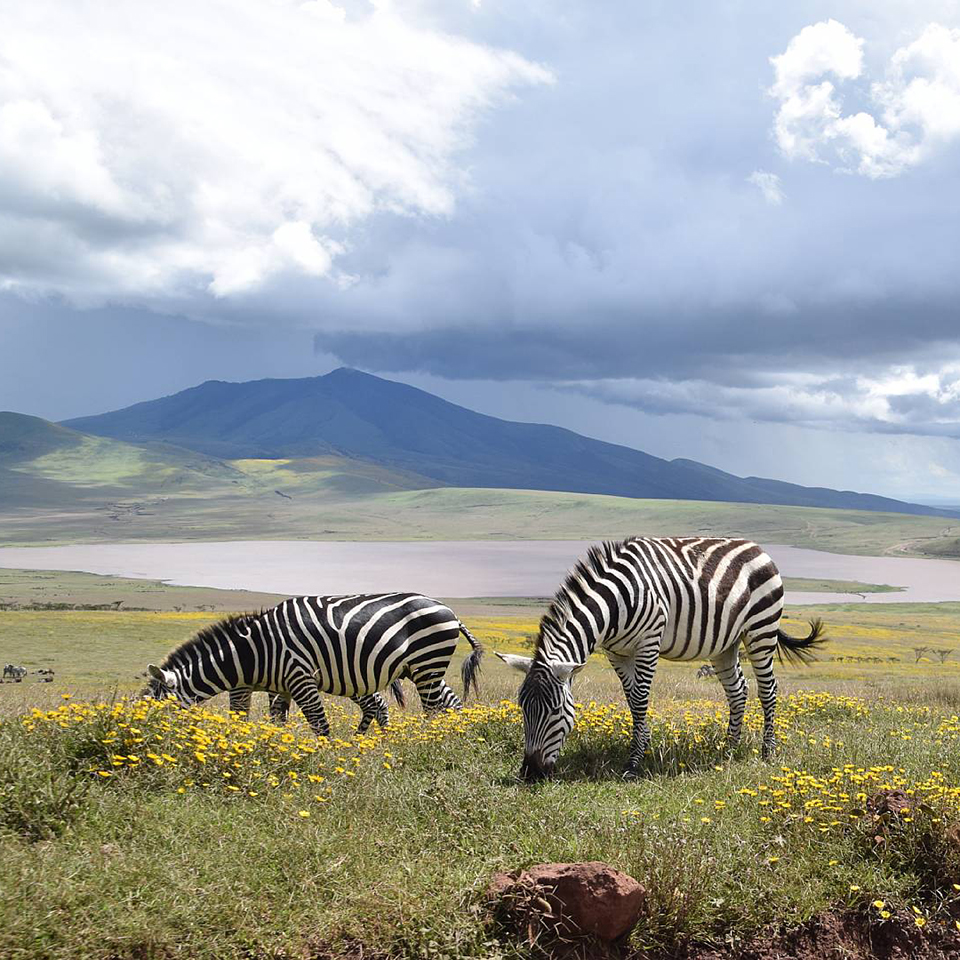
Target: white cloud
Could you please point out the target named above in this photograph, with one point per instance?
(918, 101)
(826, 47)
(164, 148)
(769, 185)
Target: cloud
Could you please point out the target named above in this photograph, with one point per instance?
(172, 148)
(917, 101)
(900, 399)
(769, 185)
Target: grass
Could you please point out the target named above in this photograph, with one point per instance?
(130, 831)
(93, 651)
(65, 590)
(245, 504)
(814, 585)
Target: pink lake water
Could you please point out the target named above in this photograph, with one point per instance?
(532, 568)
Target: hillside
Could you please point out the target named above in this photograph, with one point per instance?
(45, 465)
(354, 414)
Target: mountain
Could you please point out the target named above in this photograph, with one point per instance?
(352, 414)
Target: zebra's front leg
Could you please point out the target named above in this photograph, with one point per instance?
(240, 700)
(636, 676)
(303, 688)
(374, 707)
(730, 674)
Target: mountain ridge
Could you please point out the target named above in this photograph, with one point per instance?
(355, 414)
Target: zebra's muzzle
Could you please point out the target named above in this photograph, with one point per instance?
(533, 769)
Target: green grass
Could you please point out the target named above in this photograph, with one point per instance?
(94, 651)
(813, 585)
(56, 589)
(165, 861)
(246, 505)
(128, 866)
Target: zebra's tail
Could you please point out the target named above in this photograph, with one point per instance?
(396, 690)
(470, 669)
(798, 649)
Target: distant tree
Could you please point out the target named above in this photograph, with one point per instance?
(943, 654)
(918, 652)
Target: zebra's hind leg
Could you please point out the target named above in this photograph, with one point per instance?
(303, 688)
(760, 649)
(434, 693)
(730, 674)
(279, 708)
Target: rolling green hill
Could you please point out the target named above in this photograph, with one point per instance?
(37, 452)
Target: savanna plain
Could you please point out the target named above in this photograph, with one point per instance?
(130, 829)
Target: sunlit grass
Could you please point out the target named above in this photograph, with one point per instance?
(241, 838)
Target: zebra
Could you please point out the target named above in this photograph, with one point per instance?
(14, 673)
(645, 598)
(351, 646)
(373, 706)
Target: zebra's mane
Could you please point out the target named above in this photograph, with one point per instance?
(212, 632)
(595, 562)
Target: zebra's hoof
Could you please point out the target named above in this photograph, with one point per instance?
(768, 751)
(631, 773)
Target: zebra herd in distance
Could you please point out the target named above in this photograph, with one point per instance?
(635, 600)
(16, 674)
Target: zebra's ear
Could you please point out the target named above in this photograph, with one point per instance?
(167, 677)
(517, 662)
(566, 671)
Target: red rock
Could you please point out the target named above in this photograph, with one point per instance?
(887, 802)
(580, 899)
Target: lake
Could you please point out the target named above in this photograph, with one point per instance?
(441, 568)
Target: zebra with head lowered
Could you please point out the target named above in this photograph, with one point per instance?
(644, 598)
(350, 646)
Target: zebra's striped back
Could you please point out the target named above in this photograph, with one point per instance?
(698, 594)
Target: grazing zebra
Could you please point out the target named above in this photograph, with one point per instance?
(646, 598)
(374, 706)
(351, 646)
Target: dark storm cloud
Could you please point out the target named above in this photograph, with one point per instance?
(621, 233)
(746, 347)
(611, 215)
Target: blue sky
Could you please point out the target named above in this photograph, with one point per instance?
(726, 231)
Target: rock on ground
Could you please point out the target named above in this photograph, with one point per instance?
(573, 899)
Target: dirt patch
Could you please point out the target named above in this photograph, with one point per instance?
(835, 936)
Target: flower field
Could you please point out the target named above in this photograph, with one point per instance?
(132, 829)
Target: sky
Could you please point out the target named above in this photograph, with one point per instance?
(723, 230)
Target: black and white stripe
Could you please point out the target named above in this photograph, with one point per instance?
(351, 646)
(641, 599)
(372, 707)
